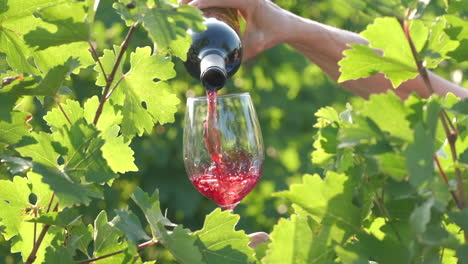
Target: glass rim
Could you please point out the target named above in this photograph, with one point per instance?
(198, 98)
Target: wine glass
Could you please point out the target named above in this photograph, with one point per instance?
(223, 151)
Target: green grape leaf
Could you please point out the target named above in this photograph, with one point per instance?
(392, 164)
(419, 154)
(17, 210)
(457, 6)
(85, 235)
(419, 157)
(11, 132)
(362, 131)
(49, 58)
(151, 208)
(137, 86)
(421, 216)
(397, 62)
(17, 20)
(179, 242)
(15, 165)
(462, 254)
(166, 24)
(14, 199)
(385, 251)
(58, 254)
(328, 122)
(49, 85)
(68, 191)
(7, 102)
(24, 242)
(61, 34)
(115, 151)
(458, 30)
(130, 225)
(64, 218)
(146, 68)
(39, 147)
(107, 239)
(23, 8)
(220, 243)
(350, 257)
(110, 115)
(108, 60)
(460, 107)
(45, 199)
(460, 218)
(65, 20)
(325, 116)
(327, 199)
(328, 141)
(80, 148)
(438, 45)
(319, 155)
(14, 23)
(56, 119)
(388, 112)
(291, 242)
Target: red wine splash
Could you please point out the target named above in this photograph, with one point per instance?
(231, 175)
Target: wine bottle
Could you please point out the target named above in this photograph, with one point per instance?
(216, 53)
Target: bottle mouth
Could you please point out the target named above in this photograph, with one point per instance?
(214, 78)
(213, 72)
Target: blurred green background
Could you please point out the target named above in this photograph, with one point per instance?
(286, 88)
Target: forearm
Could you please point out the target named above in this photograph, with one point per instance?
(324, 45)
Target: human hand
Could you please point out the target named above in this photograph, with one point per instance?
(264, 24)
(257, 239)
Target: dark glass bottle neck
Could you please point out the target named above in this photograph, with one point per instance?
(213, 73)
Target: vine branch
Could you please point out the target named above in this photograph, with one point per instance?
(386, 217)
(32, 256)
(141, 246)
(57, 101)
(50, 202)
(449, 128)
(452, 138)
(35, 226)
(421, 69)
(96, 58)
(115, 86)
(110, 78)
(444, 178)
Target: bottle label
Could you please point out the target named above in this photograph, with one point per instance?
(227, 15)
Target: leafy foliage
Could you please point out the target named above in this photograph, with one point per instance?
(169, 37)
(219, 242)
(386, 179)
(137, 87)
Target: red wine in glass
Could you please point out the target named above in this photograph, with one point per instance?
(227, 165)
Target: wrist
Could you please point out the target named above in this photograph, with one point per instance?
(277, 25)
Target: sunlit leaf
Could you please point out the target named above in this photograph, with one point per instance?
(179, 242)
(291, 242)
(107, 240)
(166, 24)
(226, 246)
(396, 62)
(138, 86)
